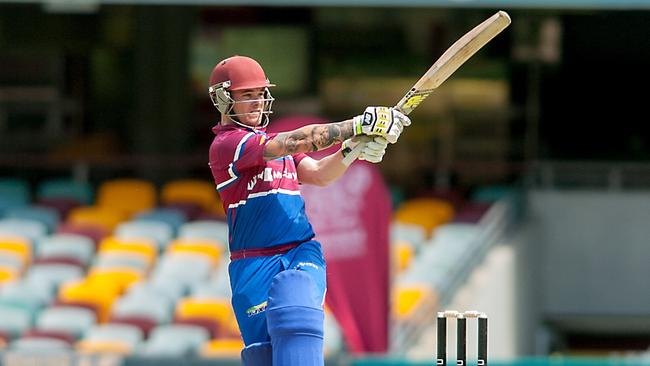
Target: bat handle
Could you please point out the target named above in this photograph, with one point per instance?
(354, 154)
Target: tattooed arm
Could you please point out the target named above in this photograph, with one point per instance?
(308, 138)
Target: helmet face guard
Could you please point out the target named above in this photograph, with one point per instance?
(239, 73)
(225, 104)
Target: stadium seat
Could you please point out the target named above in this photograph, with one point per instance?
(174, 340)
(38, 344)
(80, 192)
(129, 196)
(113, 347)
(159, 232)
(209, 248)
(143, 247)
(153, 308)
(130, 335)
(15, 320)
(403, 253)
(39, 292)
(104, 218)
(94, 232)
(75, 246)
(428, 213)
(122, 260)
(210, 325)
(199, 192)
(29, 229)
(173, 217)
(53, 334)
(190, 210)
(208, 230)
(47, 216)
(145, 324)
(14, 193)
(171, 291)
(119, 278)
(407, 299)
(53, 274)
(222, 348)
(73, 320)
(101, 293)
(182, 268)
(68, 261)
(216, 309)
(211, 288)
(16, 247)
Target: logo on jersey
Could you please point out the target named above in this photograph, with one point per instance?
(256, 309)
(269, 175)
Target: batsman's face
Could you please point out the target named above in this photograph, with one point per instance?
(249, 105)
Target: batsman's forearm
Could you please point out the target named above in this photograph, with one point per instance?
(307, 139)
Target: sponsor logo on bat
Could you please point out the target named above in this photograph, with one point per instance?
(414, 100)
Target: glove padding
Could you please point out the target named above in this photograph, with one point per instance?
(381, 121)
(373, 150)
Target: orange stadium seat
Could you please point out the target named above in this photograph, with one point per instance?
(128, 196)
(428, 213)
(213, 308)
(104, 218)
(198, 192)
(229, 347)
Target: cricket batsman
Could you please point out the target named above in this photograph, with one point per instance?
(277, 270)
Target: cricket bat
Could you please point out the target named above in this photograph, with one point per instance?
(447, 64)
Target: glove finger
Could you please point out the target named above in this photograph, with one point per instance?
(402, 117)
(381, 140)
(374, 146)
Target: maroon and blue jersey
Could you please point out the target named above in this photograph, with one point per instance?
(261, 198)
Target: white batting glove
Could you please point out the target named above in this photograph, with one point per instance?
(380, 121)
(373, 149)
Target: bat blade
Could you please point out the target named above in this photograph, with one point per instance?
(454, 57)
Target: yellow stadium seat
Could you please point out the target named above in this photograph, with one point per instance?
(407, 299)
(101, 294)
(144, 247)
(103, 217)
(208, 248)
(227, 347)
(217, 309)
(127, 195)
(428, 213)
(403, 253)
(20, 247)
(103, 347)
(199, 192)
(121, 278)
(7, 274)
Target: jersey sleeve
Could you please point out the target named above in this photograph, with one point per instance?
(236, 152)
(243, 149)
(297, 158)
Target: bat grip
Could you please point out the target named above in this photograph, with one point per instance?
(354, 154)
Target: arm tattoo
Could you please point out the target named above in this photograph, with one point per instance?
(308, 138)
